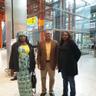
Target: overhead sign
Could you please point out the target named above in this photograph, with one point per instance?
(32, 21)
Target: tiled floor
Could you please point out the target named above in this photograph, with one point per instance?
(85, 81)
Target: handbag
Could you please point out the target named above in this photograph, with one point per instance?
(33, 80)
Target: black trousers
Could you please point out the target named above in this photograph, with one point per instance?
(68, 80)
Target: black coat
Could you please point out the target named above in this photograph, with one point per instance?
(14, 58)
(68, 56)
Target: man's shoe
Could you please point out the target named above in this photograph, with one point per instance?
(64, 95)
(14, 78)
(43, 94)
(52, 94)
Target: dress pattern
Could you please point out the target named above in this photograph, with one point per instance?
(23, 76)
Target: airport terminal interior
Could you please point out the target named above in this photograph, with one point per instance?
(78, 17)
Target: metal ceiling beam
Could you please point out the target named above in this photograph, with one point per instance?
(71, 13)
(86, 2)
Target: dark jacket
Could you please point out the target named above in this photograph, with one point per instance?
(41, 55)
(68, 56)
(14, 58)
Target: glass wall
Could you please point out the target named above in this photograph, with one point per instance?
(83, 21)
(83, 28)
(75, 18)
(68, 15)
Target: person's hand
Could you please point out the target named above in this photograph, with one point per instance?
(59, 70)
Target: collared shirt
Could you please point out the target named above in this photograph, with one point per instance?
(48, 50)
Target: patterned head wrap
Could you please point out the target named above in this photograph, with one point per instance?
(24, 33)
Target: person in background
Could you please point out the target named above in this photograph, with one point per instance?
(68, 56)
(13, 73)
(22, 61)
(47, 60)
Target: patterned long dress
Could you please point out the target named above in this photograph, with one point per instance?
(23, 76)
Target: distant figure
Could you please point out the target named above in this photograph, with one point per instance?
(22, 61)
(68, 56)
(47, 60)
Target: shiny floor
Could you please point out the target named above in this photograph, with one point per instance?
(85, 81)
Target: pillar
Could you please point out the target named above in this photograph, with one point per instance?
(0, 32)
(1, 18)
(41, 4)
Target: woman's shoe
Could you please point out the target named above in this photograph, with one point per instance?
(43, 94)
(14, 78)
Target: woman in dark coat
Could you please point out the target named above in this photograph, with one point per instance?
(22, 61)
(68, 56)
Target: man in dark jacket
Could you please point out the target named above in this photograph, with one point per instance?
(47, 60)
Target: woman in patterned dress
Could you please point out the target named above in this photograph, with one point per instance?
(22, 60)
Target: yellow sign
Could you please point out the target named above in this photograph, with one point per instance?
(32, 21)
